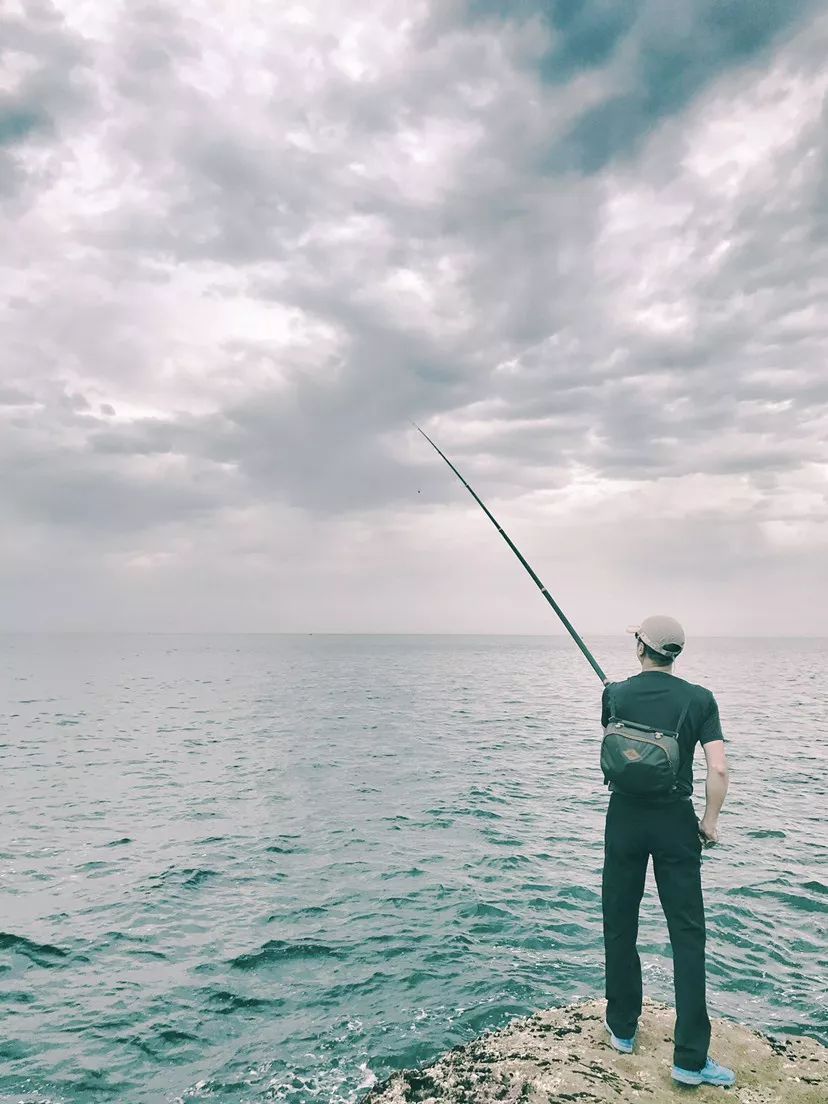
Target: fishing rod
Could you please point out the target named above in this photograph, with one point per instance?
(567, 624)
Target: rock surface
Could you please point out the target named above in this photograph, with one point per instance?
(563, 1057)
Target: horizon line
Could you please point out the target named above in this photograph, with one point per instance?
(371, 632)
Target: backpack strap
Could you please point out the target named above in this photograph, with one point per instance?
(683, 715)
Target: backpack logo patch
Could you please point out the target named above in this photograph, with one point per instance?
(631, 754)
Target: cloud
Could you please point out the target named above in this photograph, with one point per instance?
(45, 90)
(583, 244)
(657, 58)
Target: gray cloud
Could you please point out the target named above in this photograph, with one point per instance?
(660, 55)
(54, 90)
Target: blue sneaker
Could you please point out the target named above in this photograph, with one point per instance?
(623, 1046)
(712, 1074)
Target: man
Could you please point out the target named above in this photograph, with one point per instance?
(665, 827)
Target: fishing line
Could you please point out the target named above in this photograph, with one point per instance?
(566, 622)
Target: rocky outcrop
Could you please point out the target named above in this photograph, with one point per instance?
(563, 1057)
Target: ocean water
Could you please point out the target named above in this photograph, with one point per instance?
(265, 868)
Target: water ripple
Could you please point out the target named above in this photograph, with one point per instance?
(41, 954)
(277, 951)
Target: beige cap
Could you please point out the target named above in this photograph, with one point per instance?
(663, 634)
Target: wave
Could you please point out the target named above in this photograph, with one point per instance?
(174, 1037)
(276, 951)
(185, 877)
(224, 1003)
(16, 996)
(41, 954)
(136, 946)
(285, 844)
(796, 901)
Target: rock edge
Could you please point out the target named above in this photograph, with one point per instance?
(562, 1056)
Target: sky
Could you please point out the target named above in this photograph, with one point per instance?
(244, 244)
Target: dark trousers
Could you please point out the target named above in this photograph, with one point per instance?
(635, 831)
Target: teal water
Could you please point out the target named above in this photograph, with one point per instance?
(251, 868)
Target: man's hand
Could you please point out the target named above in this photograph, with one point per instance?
(708, 832)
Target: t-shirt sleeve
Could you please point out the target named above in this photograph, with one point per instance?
(711, 726)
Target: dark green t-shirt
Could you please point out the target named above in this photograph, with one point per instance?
(657, 698)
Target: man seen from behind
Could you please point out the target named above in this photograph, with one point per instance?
(644, 712)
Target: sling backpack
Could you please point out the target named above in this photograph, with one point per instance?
(638, 759)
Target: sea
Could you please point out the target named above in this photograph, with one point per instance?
(278, 868)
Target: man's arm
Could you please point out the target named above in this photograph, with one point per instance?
(715, 788)
(605, 710)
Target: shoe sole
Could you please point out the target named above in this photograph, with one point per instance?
(618, 1050)
(689, 1079)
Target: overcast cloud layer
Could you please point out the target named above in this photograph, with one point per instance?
(584, 245)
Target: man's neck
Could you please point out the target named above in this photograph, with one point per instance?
(648, 665)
